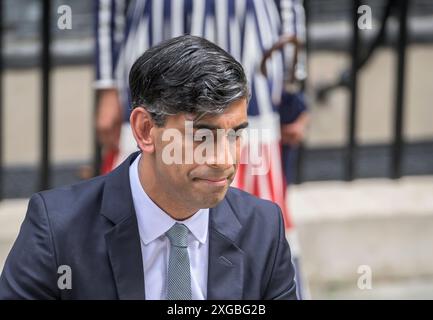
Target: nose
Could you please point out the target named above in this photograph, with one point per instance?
(224, 156)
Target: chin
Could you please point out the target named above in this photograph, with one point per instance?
(211, 200)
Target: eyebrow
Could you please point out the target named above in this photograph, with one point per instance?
(214, 127)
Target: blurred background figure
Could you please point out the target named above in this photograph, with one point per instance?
(361, 178)
(294, 120)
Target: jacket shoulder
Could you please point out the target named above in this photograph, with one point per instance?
(73, 192)
(68, 203)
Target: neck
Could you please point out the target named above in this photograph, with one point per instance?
(175, 209)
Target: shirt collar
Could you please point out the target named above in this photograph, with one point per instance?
(153, 222)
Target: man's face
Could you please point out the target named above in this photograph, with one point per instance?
(206, 167)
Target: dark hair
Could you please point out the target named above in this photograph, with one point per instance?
(186, 74)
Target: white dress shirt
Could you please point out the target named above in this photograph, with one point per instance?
(153, 222)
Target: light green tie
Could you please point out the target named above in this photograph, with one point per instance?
(179, 273)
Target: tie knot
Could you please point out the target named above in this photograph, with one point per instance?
(178, 235)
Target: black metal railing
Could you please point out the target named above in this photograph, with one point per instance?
(349, 80)
(45, 159)
(353, 88)
(1, 101)
(397, 148)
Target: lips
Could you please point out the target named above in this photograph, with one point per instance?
(217, 182)
(213, 179)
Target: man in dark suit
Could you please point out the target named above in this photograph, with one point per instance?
(165, 224)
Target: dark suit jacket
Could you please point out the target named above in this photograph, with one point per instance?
(92, 228)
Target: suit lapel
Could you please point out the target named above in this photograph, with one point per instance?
(126, 261)
(123, 240)
(226, 259)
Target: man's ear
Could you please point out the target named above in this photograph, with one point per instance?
(142, 127)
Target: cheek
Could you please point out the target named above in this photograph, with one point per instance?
(236, 151)
(178, 175)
